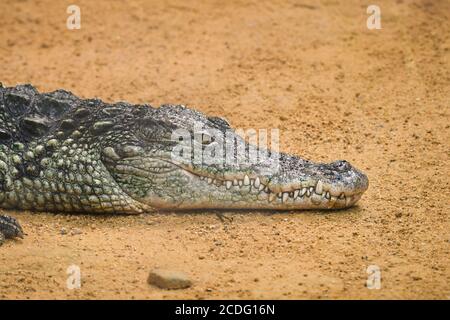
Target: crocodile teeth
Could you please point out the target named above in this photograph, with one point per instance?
(272, 196)
(327, 195)
(302, 193)
(342, 196)
(319, 187)
(296, 192)
(229, 183)
(285, 196)
(257, 183)
(240, 183)
(261, 187)
(308, 192)
(246, 180)
(347, 200)
(332, 201)
(235, 182)
(279, 194)
(210, 180)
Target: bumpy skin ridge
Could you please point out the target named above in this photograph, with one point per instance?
(48, 156)
(47, 160)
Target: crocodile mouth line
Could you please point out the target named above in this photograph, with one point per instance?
(316, 194)
(314, 191)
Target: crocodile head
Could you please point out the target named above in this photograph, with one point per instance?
(173, 157)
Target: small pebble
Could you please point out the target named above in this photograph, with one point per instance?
(167, 279)
(76, 231)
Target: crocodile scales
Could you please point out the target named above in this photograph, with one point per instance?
(61, 153)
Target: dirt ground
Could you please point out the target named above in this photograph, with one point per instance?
(337, 90)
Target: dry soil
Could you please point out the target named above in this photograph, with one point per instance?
(337, 90)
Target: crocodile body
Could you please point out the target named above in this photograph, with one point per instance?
(65, 154)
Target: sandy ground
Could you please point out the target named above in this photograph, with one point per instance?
(378, 98)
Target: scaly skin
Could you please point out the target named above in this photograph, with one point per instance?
(61, 153)
(9, 228)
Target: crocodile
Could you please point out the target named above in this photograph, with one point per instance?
(61, 153)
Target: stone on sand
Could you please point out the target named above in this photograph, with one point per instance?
(168, 279)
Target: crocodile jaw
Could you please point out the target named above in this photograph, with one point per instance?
(171, 186)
